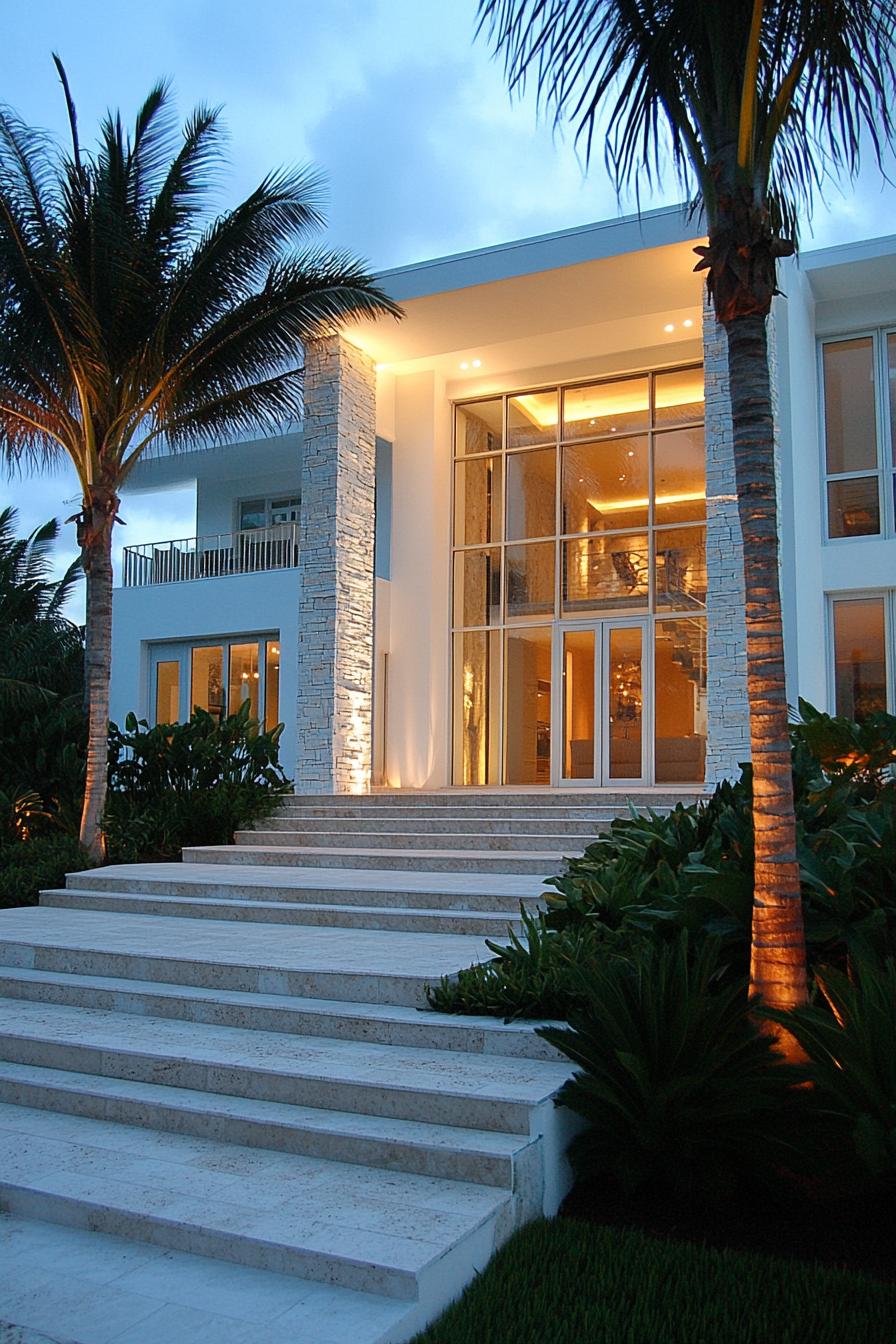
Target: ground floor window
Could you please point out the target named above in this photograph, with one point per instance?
(863, 629)
(218, 676)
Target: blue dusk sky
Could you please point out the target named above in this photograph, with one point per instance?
(409, 118)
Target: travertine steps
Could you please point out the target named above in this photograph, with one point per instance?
(485, 842)
(434, 860)
(345, 886)
(227, 1056)
(408, 919)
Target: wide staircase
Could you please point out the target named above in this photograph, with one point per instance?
(224, 1116)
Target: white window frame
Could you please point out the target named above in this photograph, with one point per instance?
(556, 621)
(180, 651)
(859, 595)
(269, 501)
(885, 471)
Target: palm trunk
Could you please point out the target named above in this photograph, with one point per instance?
(96, 536)
(778, 965)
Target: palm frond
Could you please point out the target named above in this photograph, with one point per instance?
(663, 80)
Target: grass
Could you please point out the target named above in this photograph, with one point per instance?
(568, 1282)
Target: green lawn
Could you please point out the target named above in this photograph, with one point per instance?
(566, 1282)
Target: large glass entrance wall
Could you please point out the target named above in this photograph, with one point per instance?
(580, 504)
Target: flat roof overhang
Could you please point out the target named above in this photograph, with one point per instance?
(851, 270)
(602, 289)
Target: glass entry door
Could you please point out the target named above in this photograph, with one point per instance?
(601, 684)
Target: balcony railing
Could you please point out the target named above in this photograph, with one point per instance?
(250, 552)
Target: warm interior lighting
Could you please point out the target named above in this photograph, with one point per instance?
(477, 363)
(618, 505)
(540, 408)
(669, 327)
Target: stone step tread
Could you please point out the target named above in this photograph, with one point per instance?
(504, 796)
(221, 942)
(422, 816)
(442, 1031)
(83, 1285)
(387, 1131)
(358, 879)
(362, 1226)
(433, 851)
(504, 863)
(498, 918)
(410, 1070)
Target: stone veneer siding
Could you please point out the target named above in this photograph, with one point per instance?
(336, 575)
(728, 732)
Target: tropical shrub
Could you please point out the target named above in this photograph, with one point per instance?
(28, 867)
(42, 720)
(849, 1036)
(655, 876)
(693, 869)
(533, 976)
(683, 1095)
(191, 783)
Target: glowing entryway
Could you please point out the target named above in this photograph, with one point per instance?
(580, 584)
(601, 695)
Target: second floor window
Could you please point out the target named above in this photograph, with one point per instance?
(859, 379)
(268, 512)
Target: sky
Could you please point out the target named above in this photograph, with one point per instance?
(408, 116)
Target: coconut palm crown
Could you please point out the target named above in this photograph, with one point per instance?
(130, 316)
(755, 104)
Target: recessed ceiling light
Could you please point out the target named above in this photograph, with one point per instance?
(688, 322)
(670, 326)
(612, 429)
(477, 363)
(631, 452)
(464, 365)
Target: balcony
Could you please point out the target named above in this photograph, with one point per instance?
(222, 553)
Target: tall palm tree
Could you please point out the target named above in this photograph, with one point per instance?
(755, 103)
(130, 317)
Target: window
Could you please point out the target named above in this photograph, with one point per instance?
(859, 397)
(862, 653)
(167, 692)
(255, 513)
(578, 502)
(219, 676)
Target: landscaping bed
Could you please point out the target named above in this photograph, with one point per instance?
(568, 1282)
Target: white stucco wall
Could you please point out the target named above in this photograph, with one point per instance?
(236, 605)
(417, 688)
(814, 568)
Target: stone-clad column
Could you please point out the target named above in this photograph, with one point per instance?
(336, 580)
(727, 707)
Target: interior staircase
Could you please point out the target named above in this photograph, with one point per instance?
(223, 1116)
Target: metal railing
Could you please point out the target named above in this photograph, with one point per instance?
(249, 552)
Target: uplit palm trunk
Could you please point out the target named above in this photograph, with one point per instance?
(778, 970)
(95, 533)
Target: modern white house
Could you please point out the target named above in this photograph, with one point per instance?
(502, 549)
(493, 583)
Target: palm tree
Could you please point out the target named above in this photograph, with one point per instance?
(129, 317)
(755, 103)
